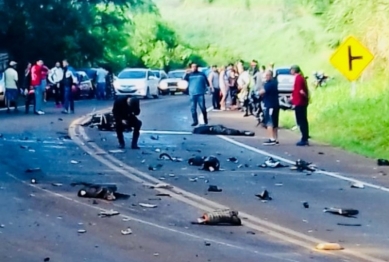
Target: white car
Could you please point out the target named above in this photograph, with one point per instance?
(136, 82)
(2, 89)
(174, 83)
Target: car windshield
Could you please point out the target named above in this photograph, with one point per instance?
(157, 74)
(176, 74)
(283, 71)
(132, 75)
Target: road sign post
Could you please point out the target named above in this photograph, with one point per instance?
(351, 59)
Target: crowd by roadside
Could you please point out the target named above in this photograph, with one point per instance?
(253, 89)
(61, 80)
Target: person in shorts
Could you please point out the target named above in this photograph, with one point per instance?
(11, 85)
(270, 100)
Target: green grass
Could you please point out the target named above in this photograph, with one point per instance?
(286, 32)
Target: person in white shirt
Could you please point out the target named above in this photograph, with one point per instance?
(101, 83)
(11, 85)
(55, 78)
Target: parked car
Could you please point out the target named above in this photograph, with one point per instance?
(2, 89)
(91, 73)
(174, 83)
(160, 74)
(136, 82)
(84, 88)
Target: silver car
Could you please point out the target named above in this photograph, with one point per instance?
(174, 83)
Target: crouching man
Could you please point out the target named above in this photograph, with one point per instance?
(125, 111)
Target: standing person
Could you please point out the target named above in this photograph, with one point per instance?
(214, 82)
(233, 88)
(55, 77)
(101, 83)
(197, 86)
(125, 111)
(224, 87)
(11, 85)
(244, 89)
(28, 89)
(68, 105)
(272, 107)
(109, 83)
(45, 72)
(300, 100)
(36, 83)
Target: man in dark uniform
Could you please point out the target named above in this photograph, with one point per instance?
(125, 111)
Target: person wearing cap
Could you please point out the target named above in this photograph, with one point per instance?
(300, 101)
(11, 85)
(125, 111)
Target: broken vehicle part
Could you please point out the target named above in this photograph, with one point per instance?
(342, 212)
(302, 165)
(264, 195)
(213, 188)
(219, 217)
(211, 164)
(270, 162)
(221, 130)
(196, 161)
(166, 156)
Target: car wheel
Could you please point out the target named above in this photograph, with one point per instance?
(147, 96)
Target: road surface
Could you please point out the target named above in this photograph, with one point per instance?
(41, 220)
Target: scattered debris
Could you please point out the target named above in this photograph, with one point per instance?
(162, 185)
(32, 170)
(156, 254)
(154, 137)
(60, 119)
(166, 156)
(108, 213)
(24, 147)
(56, 184)
(213, 188)
(74, 162)
(157, 150)
(211, 164)
(321, 153)
(264, 195)
(116, 151)
(147, 205)
(302, 165)
(2, 226)
(156, 167)
(172, 175)
(341, 211)
(196, 161)
(383, 162)
(127, 231)
(106, 192)
(233, 159)
(220, 217)
(163, 195)
(349, 225)
(329, 246)
(47, 259)
(81, 231)
(357, 185)
(207, 244)
(279, 184)
(33, 181)
(270, 162)
(221, 130)
(250, 232)
(193, 179)
(305, 204)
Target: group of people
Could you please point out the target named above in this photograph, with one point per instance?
(62, 79)
(252, 89)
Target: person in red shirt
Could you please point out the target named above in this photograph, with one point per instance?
(36, 83)
(300, 101)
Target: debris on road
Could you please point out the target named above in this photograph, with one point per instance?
(321, 153)
(302, 165)
(250, 232)
(74, 162)
(157, 150)
(341, 211)
(108, 213)
(33, 181)
(116, 151)
(357, 185)
(270, 162)
(193, 179)
(106, 192)
(264, 195)
(147, 205)
(47, 259)
(349, 225)
(233, 160)
(220, 217)
(162, 194)
(207, 244)
(56, 184)
(156, 167)
(278, 184)
(32, 170)
(2, 226)
(211, 164)
(383, 162)
(196, 161)
(81, 231)
(154, 137)
(221, 130)
(127, 231)
(213, 188)
(161, 185)
(305, 204)
(329, 246)
(166, 156)
(172, 175)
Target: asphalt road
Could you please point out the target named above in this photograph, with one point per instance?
(42, 220)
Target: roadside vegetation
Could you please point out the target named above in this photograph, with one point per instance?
(305, 32)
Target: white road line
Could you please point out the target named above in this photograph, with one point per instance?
(165, 132)
(331, 174)
(142, 221)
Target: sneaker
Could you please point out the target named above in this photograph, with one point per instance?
(302, 143)
(39, 112)
(195, 124)
(65, 112)
(270, 142)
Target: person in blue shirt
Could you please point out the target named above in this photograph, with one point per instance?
(270, 100)
(197, 86)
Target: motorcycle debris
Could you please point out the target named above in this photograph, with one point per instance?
(127, 231)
